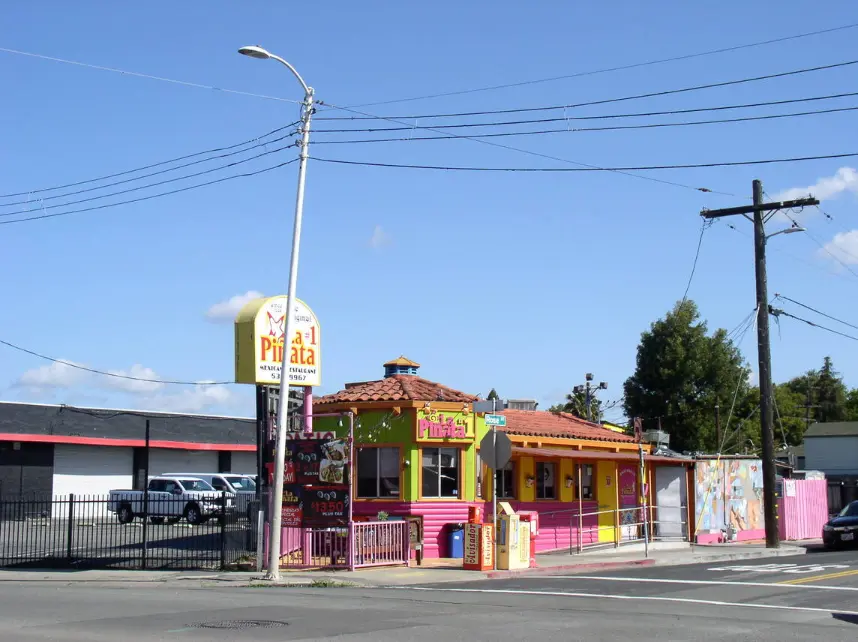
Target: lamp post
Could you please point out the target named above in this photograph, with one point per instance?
(275, 521)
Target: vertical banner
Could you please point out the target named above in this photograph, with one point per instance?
(317, 481)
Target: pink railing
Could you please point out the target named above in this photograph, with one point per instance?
(375, 544)
(381, 544)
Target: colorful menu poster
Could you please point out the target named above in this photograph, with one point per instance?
(318, 461)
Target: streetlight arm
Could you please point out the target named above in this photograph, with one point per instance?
(307, 89)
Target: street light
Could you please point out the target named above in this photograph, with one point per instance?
(789, 230)
(282, 404)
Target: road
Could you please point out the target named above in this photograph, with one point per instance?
(781, 599)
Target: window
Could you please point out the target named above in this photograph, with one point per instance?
(194, 485)
(378, 472)
(441, 472)
(242, 483)
(587, 490)
(545, 481)
(505, 480)
(219, 484)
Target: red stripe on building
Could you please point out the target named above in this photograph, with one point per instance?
(123, 443)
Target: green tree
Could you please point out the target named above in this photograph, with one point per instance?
(493, 394)
(680, 374)
(576, 404)
(743, 432)
(826, 390)
(852, 405)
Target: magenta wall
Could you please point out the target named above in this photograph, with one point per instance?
(556, 531)
(802, 514)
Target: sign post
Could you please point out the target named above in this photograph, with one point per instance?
(492, 459)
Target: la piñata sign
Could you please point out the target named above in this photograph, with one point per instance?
(444, 427)
(259, 343)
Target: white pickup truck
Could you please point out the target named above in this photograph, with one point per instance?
(171, 498)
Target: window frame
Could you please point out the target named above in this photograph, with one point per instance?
(539, 478)
(378, 496)
(580, 492)
(511, 469)
(460, 462)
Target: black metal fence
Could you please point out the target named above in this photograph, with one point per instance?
(91, 531)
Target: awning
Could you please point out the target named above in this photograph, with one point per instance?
(564, 453)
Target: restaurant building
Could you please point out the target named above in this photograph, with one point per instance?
(417, 455)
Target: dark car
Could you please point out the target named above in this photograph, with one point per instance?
(842, 529)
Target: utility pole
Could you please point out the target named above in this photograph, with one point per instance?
(589, 392)
(761, 213)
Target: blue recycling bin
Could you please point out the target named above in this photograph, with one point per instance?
(456, 541)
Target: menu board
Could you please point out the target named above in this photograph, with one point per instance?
(325, 505)
(291, 511)
(318, 461)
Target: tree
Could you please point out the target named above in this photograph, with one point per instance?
(827, 393)
(852, 405)
(492, 395)
(742, 433)
(680, 374)
(576, 404)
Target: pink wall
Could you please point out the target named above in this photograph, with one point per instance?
(802, 513)
(555, 531)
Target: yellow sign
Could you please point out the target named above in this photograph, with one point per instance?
(444, 426)
(259, 329)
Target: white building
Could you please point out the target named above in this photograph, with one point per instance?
(59, 450)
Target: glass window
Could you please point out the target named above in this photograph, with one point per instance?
(219, 484)
(587, 490)
(504, 478)
(440, 472)
(242, 483)
(378, 472)
(546, 487)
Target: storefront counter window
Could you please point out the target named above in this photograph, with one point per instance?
(587, 490)
(378, 472)
(441, 470)
(504, 478)
(546, 487)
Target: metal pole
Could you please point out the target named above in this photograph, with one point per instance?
(261, 420)
(643, 503)
(589, 414)
(351, 527)
(283, 402)
(495, 488)
(717, 428)
(580, 509)
(765, 370)
(145, 497)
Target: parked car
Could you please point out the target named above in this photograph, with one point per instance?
(843, 528)
(172, 498)
(242, 486)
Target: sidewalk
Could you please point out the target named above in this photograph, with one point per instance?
(433, 572)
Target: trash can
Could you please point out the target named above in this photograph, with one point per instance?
(456, 541)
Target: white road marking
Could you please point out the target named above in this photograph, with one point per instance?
(647, 598)
(778, 568)
(653, 580)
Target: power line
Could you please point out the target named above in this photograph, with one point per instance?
(777, 313)
(596, 129)
(146, 198)
(125, 72)
(591, 168)
(819, 312)
(821, 245)
(613, 69)
(540, 155)
(706, 224)
(528, 121)
(155, 184)
(145, 167)
(605, 101)
(112, 374)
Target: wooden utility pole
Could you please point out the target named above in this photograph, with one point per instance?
(762, 212)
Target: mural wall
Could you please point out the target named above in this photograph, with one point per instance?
(728, 492)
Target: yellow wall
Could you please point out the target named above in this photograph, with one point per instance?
(567, 469)
(526, 466)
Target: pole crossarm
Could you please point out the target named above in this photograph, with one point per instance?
(762, 207)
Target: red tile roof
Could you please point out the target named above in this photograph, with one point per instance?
(395, 388)
(540, 423)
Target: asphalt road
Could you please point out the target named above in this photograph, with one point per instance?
(781, 599)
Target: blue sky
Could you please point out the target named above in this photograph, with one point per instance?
(522, 282)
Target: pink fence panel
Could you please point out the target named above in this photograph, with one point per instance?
(381, 544)
(802, 508)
